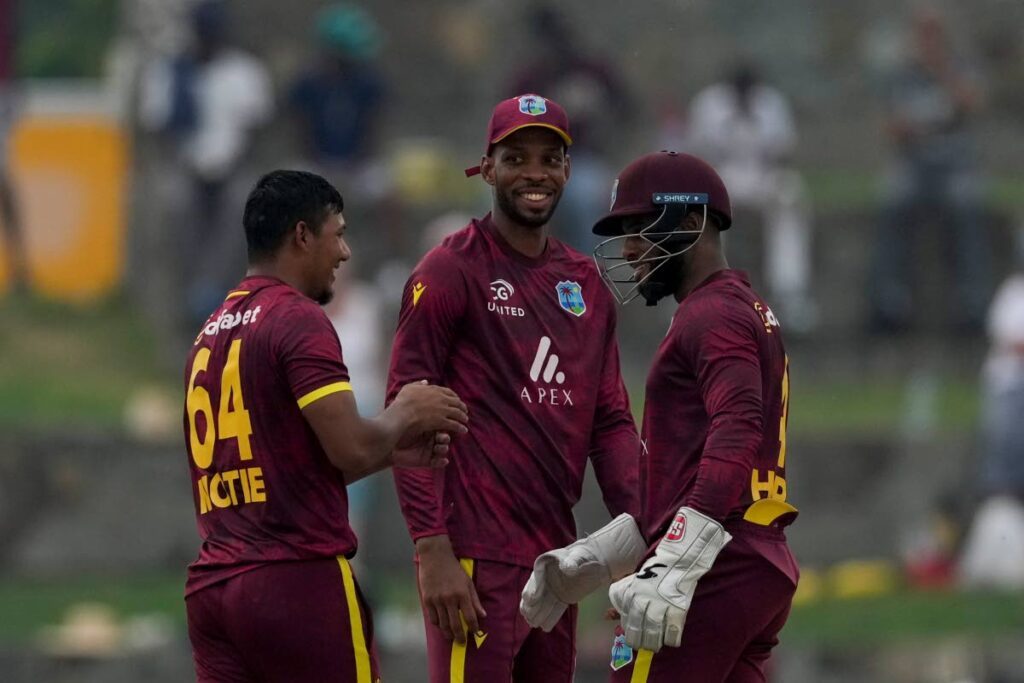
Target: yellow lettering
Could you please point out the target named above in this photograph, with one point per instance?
(229, 483)
(259, 494)
(243, 479)
(220, 490)
(772, 486)
(220, 500)
(198, 401)
(204, 495)
(780, 489)
(784, 421)
(761, 489)
(233, 418)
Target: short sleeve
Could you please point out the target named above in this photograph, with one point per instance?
(308, 350)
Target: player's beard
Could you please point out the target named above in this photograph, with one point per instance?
(507, 203)
(663, 281)
(325, 295)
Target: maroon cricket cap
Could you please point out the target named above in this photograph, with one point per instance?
(667, 174)
(523, 111)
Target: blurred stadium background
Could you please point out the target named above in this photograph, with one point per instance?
(106, 265)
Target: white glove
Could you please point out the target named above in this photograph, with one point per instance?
(564, 576)
(653, 602)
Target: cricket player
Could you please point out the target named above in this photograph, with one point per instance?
(521, 327)
(273, 437)
(716, 587)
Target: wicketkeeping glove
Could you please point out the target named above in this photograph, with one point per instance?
(564, 576)
(653, 602)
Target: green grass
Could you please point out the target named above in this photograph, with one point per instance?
(70, 366)
(879, 406)
(906, 616)
(846, 189)
(28, 606)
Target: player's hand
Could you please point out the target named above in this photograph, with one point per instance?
(654, 601)
(564, 576)
(447, 591)
(431, 409)
(432, 451)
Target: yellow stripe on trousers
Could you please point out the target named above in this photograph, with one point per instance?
(457, 667)
(362, 655)
(642, 668)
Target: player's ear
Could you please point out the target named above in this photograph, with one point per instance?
(693, 220)
(568, 165)
(302, 235)
(487, 169)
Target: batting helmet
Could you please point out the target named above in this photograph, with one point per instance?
(667, 186)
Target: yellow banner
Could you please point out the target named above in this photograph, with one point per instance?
(69, 181)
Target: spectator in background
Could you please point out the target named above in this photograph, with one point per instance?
(208, 101)
(10, 225)
(338, 103)
(590, 89)
(931, 102)
(744, 128)
(338, 100)
(994, 551)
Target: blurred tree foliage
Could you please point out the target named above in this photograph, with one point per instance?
(64, 38)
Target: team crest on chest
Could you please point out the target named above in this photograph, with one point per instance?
(570, 297)
(622, 654)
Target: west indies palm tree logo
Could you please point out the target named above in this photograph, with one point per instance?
(534, 105)
(622, 654)
(570, 297)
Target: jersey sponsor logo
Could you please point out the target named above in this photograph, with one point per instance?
(551, 369)
(570, 297)
(479, 637)
(678, 528)
(545, 369)
(534, 105)
(227, 321)
(417, 292)
(502, 291)
(622, 654)
(767, 317)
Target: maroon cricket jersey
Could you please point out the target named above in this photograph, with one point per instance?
(529, 345)
(263, 487)
(715, 411)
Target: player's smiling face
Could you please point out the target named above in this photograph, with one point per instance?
(331, 249)
(528, 170)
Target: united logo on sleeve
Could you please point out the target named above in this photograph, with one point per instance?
(570, 297)
(622, 654)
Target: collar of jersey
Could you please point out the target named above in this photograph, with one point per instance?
(487, 227)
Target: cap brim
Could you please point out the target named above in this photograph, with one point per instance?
(611, 225)
(561, 133)
(475, 170)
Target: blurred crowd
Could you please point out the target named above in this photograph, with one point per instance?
(208, 116)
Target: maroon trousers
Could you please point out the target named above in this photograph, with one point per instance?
(733, 623)
(286, 621)
(508, 650)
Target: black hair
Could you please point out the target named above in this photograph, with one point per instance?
(281, 199)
